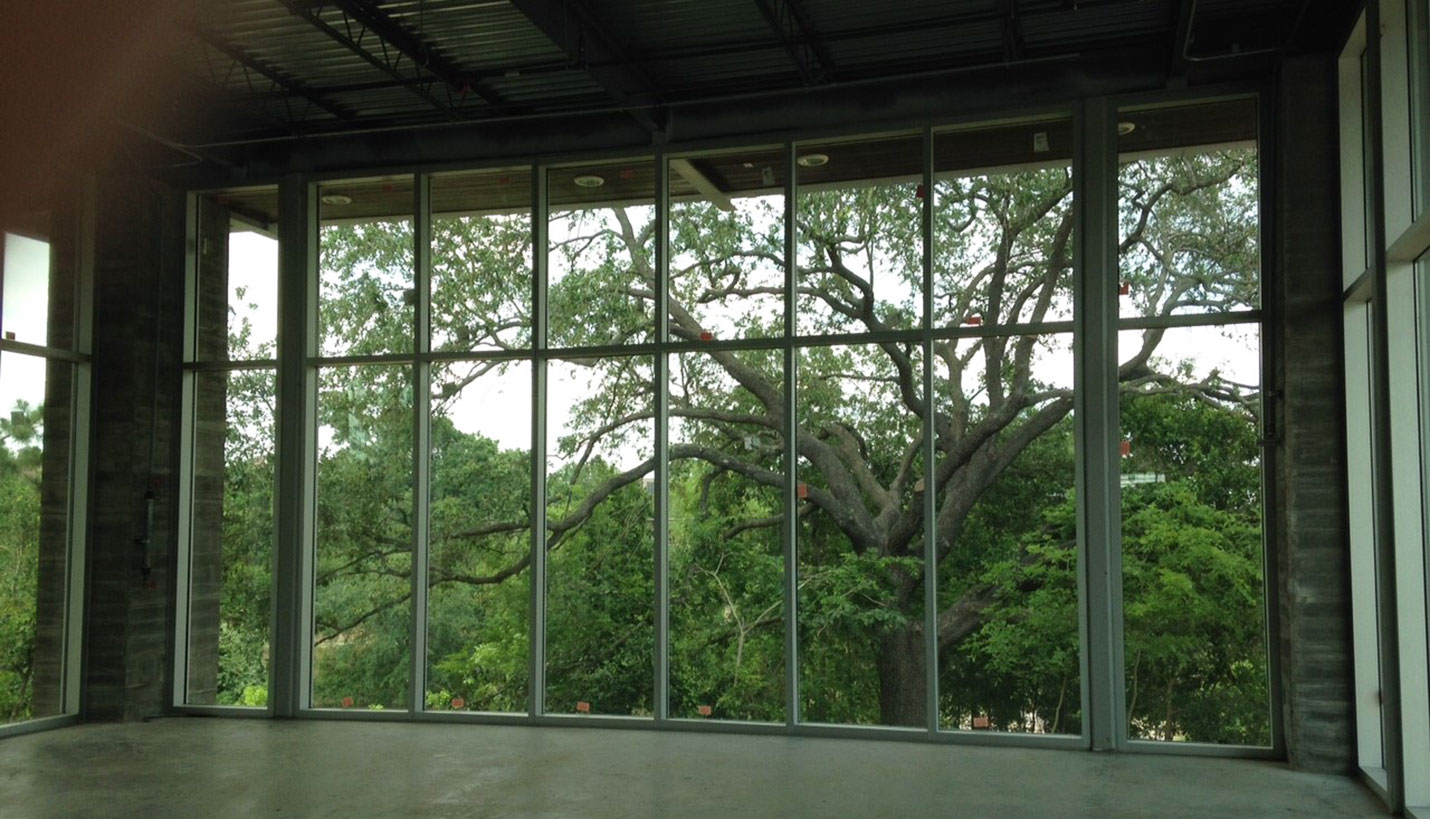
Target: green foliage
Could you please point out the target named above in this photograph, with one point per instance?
(20, 456)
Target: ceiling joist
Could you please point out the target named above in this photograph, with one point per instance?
(289, 86)
(579, 34)
(403, 61)
(792, 27)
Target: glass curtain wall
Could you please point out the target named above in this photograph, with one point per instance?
(1189, 352)
(1004, 462)
(1386, 236)
(44, 375)
(776, 435)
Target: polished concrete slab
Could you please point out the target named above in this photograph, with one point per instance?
(212, 768)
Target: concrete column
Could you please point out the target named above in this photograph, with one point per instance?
(138, 328)
(210, 428)
(1312, 548)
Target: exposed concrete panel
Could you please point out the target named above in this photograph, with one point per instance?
(138, 326)
(1312, 548)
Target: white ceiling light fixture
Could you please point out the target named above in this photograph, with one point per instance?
(813, 160)
(1124, 128)
(336, 199)
(589, 180)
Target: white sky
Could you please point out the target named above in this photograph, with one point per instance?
(26, 315)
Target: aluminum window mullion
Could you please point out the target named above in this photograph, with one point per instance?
(662, 441)
(81, 458)
(1095, 316)
(421, 372)
(1273, 390)
(791, 452)
(1383, 450)
(183, 583)
(290, 673)
(536, 680)
(930, 495)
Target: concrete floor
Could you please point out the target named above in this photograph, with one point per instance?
(212, 768)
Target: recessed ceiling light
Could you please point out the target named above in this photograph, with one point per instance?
(1124, 128)
(336, 199)
(589, 180)
(813, 160)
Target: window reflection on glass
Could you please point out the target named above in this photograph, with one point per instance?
(236, 304)
(859, 228)
(1003, 225)
(231, 537)
(727, 245)
(726, 545)
(478, 604)
(860, 552)
(481, 260)
(1194, 606)
(366, 285)
(601, 254)
(600, 537)
(1189, 210)
(1005, 468)
(36, 397)
(363, 532)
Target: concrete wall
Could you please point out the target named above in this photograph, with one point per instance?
(1311, 545)
(138, 325)
(210, 428)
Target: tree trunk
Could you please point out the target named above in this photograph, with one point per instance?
(903, 686)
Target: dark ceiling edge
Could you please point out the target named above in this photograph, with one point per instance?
(988, 93)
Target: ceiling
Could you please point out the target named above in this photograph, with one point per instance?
(266, 70)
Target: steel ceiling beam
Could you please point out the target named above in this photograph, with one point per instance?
(1012, 31)
(1181, 41)
(417, 50)
(391, 60)
(277, 80)
(792, 27)
(574, 29)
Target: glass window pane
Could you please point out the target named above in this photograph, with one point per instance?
(600, 537)
(1194, 596)
(1360, 497)
(1003, 225)
(231, 536)
(36, 397)
(1420, 100)
(366, 285)
(601, 254)
(478, 605)
(236, 304)
(1189, 216)
(27, 289)
(363, 580)
(727, 245)
(861, 644)
(860, 231)
(481, 260)
(726, 546)
(1009, 646)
